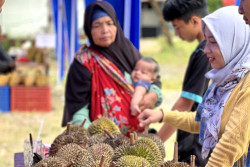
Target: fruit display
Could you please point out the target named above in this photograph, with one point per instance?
(103, 145)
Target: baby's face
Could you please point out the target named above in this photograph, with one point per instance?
(143, 71)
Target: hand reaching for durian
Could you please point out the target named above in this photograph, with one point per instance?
(149, 116)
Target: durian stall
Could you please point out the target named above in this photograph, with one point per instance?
(103, 145)
(27, 87)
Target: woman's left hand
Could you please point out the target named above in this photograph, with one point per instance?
(149, 100)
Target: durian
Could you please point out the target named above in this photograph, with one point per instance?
(96, 139)
(131, 161)
(175, 163)
(98, 126)
(76, 154)
(140, 150)
(60, 141)
(4, 79)
(52, 162)
(157, 141)
(116, 139)
(102, 149)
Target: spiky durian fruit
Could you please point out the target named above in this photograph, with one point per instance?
(157, 140)
(96, 139)
(15, 78)
(52, 162)
(76, 154)
(154, 148)
(98, 126)
(131, 161)
(102, 149)
(136, 150)
(79, 133)
(115, 140)
(4, 79)
(101, 163)
(59, 142)
(175, 164)
(42, 80)
(29, 80)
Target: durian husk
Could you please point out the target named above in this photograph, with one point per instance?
(132, 161)
(15, 78)
(136, 150)
(98, 126)
(59, 142)
(118, 140)
(96, 139)
(76, 154)
(102, 149)
(42, 80)
(175, 164)
(153, 146)
(4, 79)
(51, 162)
(29, 80)
(31, 53)
(39, 56)
(157, 141)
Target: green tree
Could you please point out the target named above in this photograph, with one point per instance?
(213, 5)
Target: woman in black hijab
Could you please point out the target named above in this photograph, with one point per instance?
(88, 90)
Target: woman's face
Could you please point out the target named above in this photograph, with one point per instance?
(244, 9)
(103, 31)
(212, 51)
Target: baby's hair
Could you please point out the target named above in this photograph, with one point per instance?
(151, 60)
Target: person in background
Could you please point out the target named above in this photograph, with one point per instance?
(244, 9)
(96, 84)
(143, 75)
(1, 4)
(185, 16)
(7, 64)
(222, 119)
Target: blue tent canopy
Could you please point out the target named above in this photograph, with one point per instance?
(67, 35)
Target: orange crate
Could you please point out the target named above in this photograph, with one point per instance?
(30, 98)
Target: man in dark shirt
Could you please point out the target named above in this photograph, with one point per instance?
(185, 16)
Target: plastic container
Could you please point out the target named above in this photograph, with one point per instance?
(33, 98)
(4, 98)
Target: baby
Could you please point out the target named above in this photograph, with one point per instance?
(143, 75)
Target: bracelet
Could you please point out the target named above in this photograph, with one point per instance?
(162, 115)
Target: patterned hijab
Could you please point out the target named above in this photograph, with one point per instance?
(233, 38)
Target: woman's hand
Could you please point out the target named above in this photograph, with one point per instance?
(149, 116)
(149, 100)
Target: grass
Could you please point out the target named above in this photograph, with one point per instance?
(16, 126)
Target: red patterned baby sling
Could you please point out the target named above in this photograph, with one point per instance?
(110, 91)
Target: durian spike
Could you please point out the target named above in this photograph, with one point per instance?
(136, 136)
(69, 164)
(132, 138)
(102, 162)
(44, 165)
(175, 152)
(83, 122)
(112, 164)
(108, 133)
(146, 130)
(68, 128)
(192, 161)
(84, 144)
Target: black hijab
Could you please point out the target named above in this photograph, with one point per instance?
(121, 52)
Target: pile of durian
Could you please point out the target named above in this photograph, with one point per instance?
(26, 78)
(37, 55)
(103, 145)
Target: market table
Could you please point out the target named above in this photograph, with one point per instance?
(19, 160)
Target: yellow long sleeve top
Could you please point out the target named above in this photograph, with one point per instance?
(234, 135)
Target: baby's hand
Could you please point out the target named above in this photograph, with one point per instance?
(134, 109)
